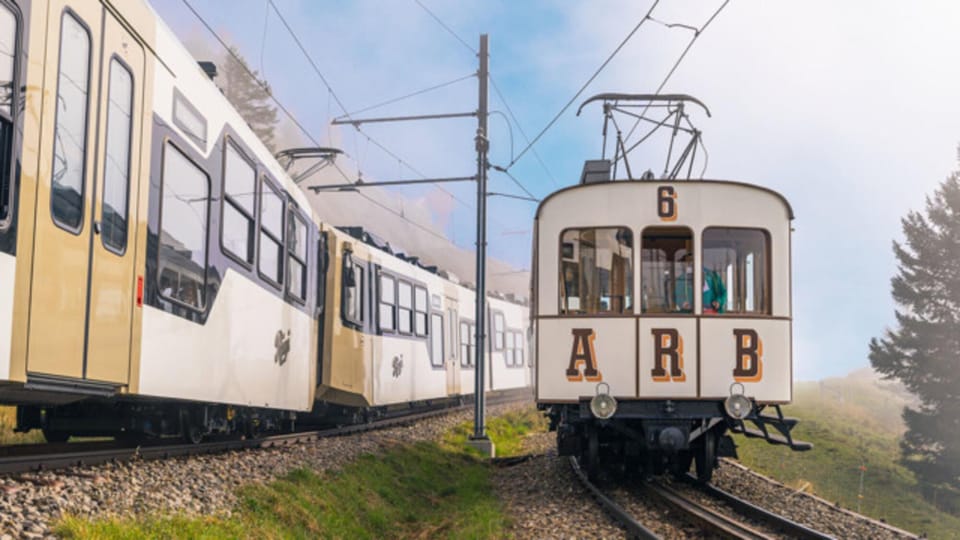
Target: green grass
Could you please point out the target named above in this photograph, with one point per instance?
(424, 490)
(852, 421)
(8, 421)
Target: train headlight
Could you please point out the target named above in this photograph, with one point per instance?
(603, 406)
(737, 406)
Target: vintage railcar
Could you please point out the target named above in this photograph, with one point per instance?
(662, 313)
(160, 272)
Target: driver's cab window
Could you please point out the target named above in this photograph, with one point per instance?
(9, 40)
(596, 271)
(353, 274)
(666, 270)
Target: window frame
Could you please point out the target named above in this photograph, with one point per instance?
(768, 275)
(382, 275)
(494, 313)
(294, 216)
(399, 309)
(180, 99)
(348, 260)
(67, 11)
(519, 358)
(425, 311)
(167, 144)
(634, 269)
(268, 183)
(10, 175)
(697, 308)
(129, 178)
(435, 334)
(468, 361)
(228, 199)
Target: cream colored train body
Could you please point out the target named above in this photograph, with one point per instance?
(663, 298)
(160, 273)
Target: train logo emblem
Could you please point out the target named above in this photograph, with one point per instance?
(282, 343)
(583, 356)
(666, 203)
(668, 349)
(397, 365)
(749, 356)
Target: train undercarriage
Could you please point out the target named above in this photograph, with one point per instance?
(651, 438)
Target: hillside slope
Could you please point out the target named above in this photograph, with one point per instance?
(853, 421)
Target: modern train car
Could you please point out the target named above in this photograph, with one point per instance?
(662, 312)
(160, 273)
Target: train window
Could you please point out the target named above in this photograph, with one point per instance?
(183, 229)
(353, 286)
(666, 270)
(497, 331)
(437, 353)
(420, 311)
(70, 134)
(388, 301)
(466, 338)
(116, 172)
(736, 271)
(297, 256)
(9, 39)
(518, 349)
(271, 233)
(596, 271)
(404, 307)
(239, 190)
(508, 355)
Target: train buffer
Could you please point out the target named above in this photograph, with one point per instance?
(782, 426)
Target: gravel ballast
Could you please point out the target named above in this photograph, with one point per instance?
(194, 486)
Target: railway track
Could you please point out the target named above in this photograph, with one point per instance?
(739, 520)
(47, 457)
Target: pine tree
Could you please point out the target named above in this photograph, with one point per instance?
(924, 350)
(248, 96)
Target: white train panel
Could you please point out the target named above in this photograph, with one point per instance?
(752, 352)
(668, 358)
(578, 353)
(236, 357)
(402, 372)
(8, 268)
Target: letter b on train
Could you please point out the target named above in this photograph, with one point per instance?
(749, 366)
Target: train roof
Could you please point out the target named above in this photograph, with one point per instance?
(598, 185)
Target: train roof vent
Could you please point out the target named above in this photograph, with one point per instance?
(209, 68)
(595, 171)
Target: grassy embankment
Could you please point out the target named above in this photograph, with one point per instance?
(425, 490)
(852, 421)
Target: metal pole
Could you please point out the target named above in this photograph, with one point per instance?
(482, 145)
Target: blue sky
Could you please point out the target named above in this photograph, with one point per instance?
(849, 109)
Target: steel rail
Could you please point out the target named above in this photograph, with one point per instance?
(634, 528)
(784, 525)
(707, 518)
(98, 452)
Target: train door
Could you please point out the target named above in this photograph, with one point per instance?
(82, 287)
(453, 366)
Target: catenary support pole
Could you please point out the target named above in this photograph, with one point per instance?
(479, 438)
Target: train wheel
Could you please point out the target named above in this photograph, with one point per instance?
(706, 457)
(55, 435)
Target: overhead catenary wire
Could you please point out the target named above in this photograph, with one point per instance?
(585, 85)
(346, 111)
(296, 122)
(406, 96)
(697, 32)
(496, 89)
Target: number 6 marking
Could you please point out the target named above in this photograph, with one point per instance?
(666, 203)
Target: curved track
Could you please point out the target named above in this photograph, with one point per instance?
(749, 522)
(44, 457)
(634, 528)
